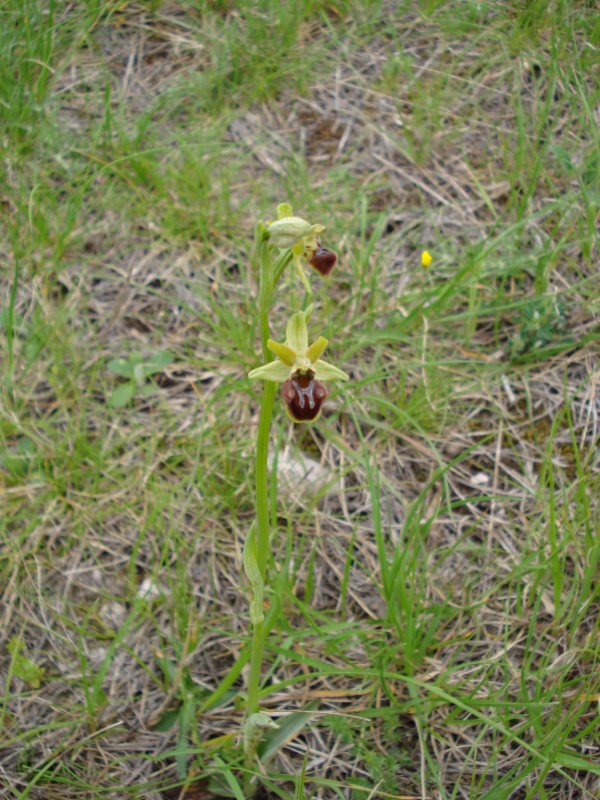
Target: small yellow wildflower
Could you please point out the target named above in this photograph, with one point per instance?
(425, 259)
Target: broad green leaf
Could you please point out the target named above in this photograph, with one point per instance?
(156, 363)
(122, 367)
(146, 390)
(233, 788)
(122, 395)
(186, 718)
(168, 719)
(288, 727)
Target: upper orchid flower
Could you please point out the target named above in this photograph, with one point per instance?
(302, 239)
(301, 370)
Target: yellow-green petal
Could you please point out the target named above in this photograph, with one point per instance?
(296, 333)
(275, 371)
(316, 349)
(283, 352)
(327, 372)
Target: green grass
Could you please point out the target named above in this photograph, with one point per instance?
(434, 604)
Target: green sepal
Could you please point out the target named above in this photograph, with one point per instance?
(284, 210)
(296, 333)
(274, 371)
(327, 372)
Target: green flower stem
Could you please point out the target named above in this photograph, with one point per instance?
(259, 629)
(262, 489)
(262, 503)
(265, 294)
(266, 412)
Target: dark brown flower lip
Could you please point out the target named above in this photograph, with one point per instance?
(304, 396)
(323, 260)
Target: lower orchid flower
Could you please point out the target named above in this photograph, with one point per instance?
(299, 367)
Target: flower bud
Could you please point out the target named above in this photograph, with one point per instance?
(304, 396)
(288, 231)
(323, 260)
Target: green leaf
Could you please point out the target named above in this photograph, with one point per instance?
(168, 719)
(121, 367)
(122, 395)
(574, 761)
(22, 666)
(19, 459)
(156, 363)
(299, 791)
(146, 390)
(184, 750)
(288, 727)
(169, 669)
(233, 788)
(217, 788)
(253, 573)
(15, 322)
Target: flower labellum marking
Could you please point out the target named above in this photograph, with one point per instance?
(304, 396)
(323, 260)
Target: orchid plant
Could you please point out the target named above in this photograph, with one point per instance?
(299, 368)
